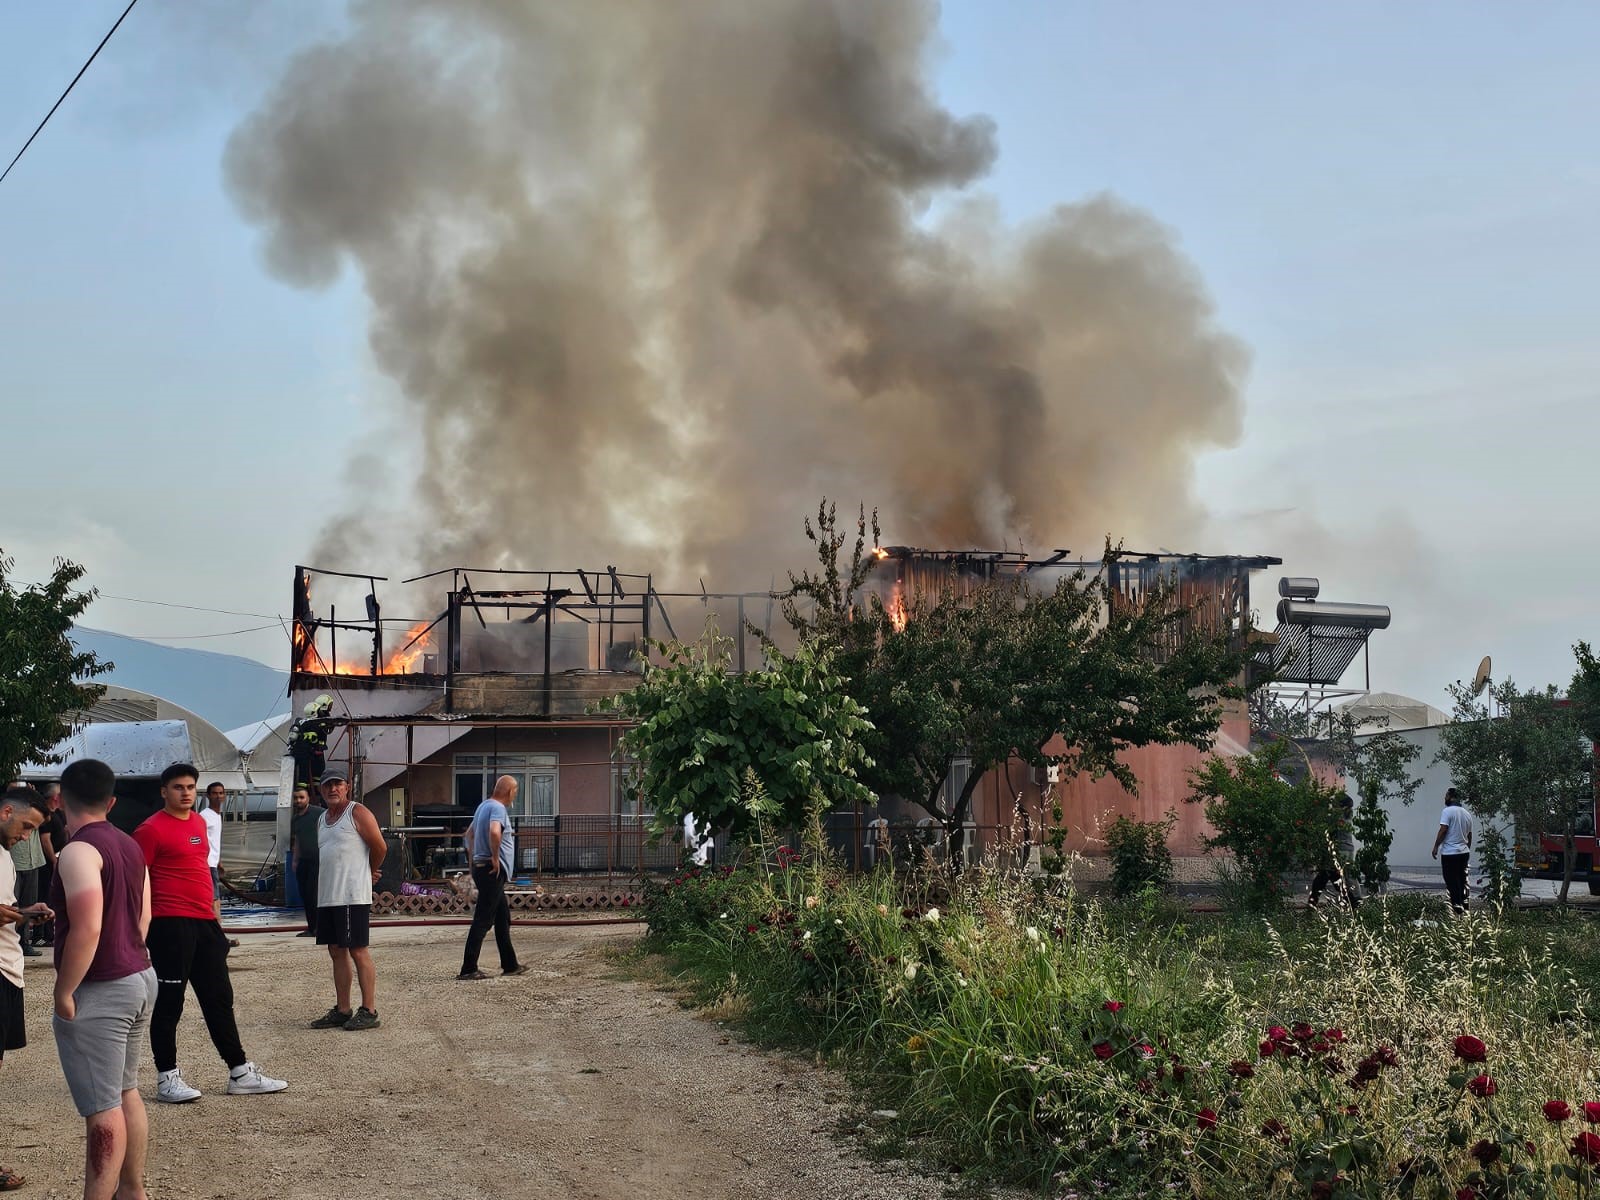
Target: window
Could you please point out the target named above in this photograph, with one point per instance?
(537, 776)
(626, 794)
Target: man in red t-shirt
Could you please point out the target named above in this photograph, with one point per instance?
(187, 945)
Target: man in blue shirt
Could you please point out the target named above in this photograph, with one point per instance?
(492, 843)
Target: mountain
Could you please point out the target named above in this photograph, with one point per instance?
(225, 689)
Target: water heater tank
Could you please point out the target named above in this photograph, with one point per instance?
(1350, 616)
(1298, 587)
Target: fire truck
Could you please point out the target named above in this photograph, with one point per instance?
(1544, 860)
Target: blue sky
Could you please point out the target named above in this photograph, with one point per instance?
(1392, 206)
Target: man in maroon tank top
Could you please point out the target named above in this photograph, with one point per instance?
(105, 989)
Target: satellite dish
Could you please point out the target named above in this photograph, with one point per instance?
(1481, 679)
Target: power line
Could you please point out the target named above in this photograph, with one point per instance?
(70, 86)
(185, 637)
(227, 612)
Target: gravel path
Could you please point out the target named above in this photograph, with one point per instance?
(570, 1081)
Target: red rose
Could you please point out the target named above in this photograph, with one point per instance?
(1387, 1055)
(1102, 1050)
(1485, 1151)
(1591, 1111)
(1482, 1086)
(1557, 1110)
(1333, 1035)
(1268, 1047)
(1206, 1119)
(1467, 1193)
(1587, 1147)
(1321, 1046)
(1277, 1033)
(1241, 1069)
(1112, 1006)
(1470, 1049)
(1179, 1072)
(1303, 1032)
(1274, 1128)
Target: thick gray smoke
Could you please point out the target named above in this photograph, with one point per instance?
(653, 277)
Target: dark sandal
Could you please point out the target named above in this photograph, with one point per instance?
(469, 976)
(10, 1181)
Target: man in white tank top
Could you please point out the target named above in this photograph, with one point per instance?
(350, 849)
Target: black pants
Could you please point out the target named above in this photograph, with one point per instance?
(28, 893)
(305, 876)
(492, 909)
(1455, 878)
(1333, 875)
(188, 952)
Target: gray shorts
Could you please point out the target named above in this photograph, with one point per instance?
(101, 1045)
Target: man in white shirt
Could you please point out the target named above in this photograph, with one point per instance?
(216, 794)
(1452, 846)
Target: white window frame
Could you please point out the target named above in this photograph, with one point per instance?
(524, 768)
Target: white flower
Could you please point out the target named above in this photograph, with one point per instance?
(837, 921)
(883, 910)
(723, 917)
(961, 981)
(806, 936)
(931, 915)
(1033, 934)
(911, 969)
(811, 901)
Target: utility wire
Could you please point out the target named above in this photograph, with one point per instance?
(184, 637)
(70, 86)
(227, 612)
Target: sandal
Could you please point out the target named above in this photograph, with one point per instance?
(468, 976)
(10, 1181)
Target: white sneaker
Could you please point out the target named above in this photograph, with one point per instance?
(249, 1081)
(171, 1089)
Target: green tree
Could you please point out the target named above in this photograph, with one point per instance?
(1378, 764)
(40, 668)
(1531, 764)
(1270, 824)
(700, 729)
(1002, 671)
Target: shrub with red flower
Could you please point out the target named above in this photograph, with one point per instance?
(1303, 1032)
(1471, 1049)
(1482, 1086)
(1557, 1111)
(1467, 1193)
(1112, 1006)
(1240, 1069)
(1586, 1148)
(1268, 1048)
(1591, 1112)
(1206, 1119)
(1103, 1050)
(1485, 1151)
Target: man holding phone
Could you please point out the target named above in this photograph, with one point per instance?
(491, 841)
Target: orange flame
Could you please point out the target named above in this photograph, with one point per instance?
(407, 660)
(896, 609)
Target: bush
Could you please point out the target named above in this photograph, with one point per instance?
(1375, 837)
(1271, 827)
(1140, 859)
(1502, 880)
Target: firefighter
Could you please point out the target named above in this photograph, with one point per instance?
(308, 741)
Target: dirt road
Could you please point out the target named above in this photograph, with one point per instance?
(567, 1082)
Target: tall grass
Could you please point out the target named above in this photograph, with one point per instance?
(1031, 1033)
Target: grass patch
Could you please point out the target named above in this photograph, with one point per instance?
(1026, 1033)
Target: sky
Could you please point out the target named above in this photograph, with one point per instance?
(1390, 205)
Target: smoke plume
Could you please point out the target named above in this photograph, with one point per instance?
(653, 277)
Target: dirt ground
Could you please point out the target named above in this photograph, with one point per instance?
(571, 1081)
